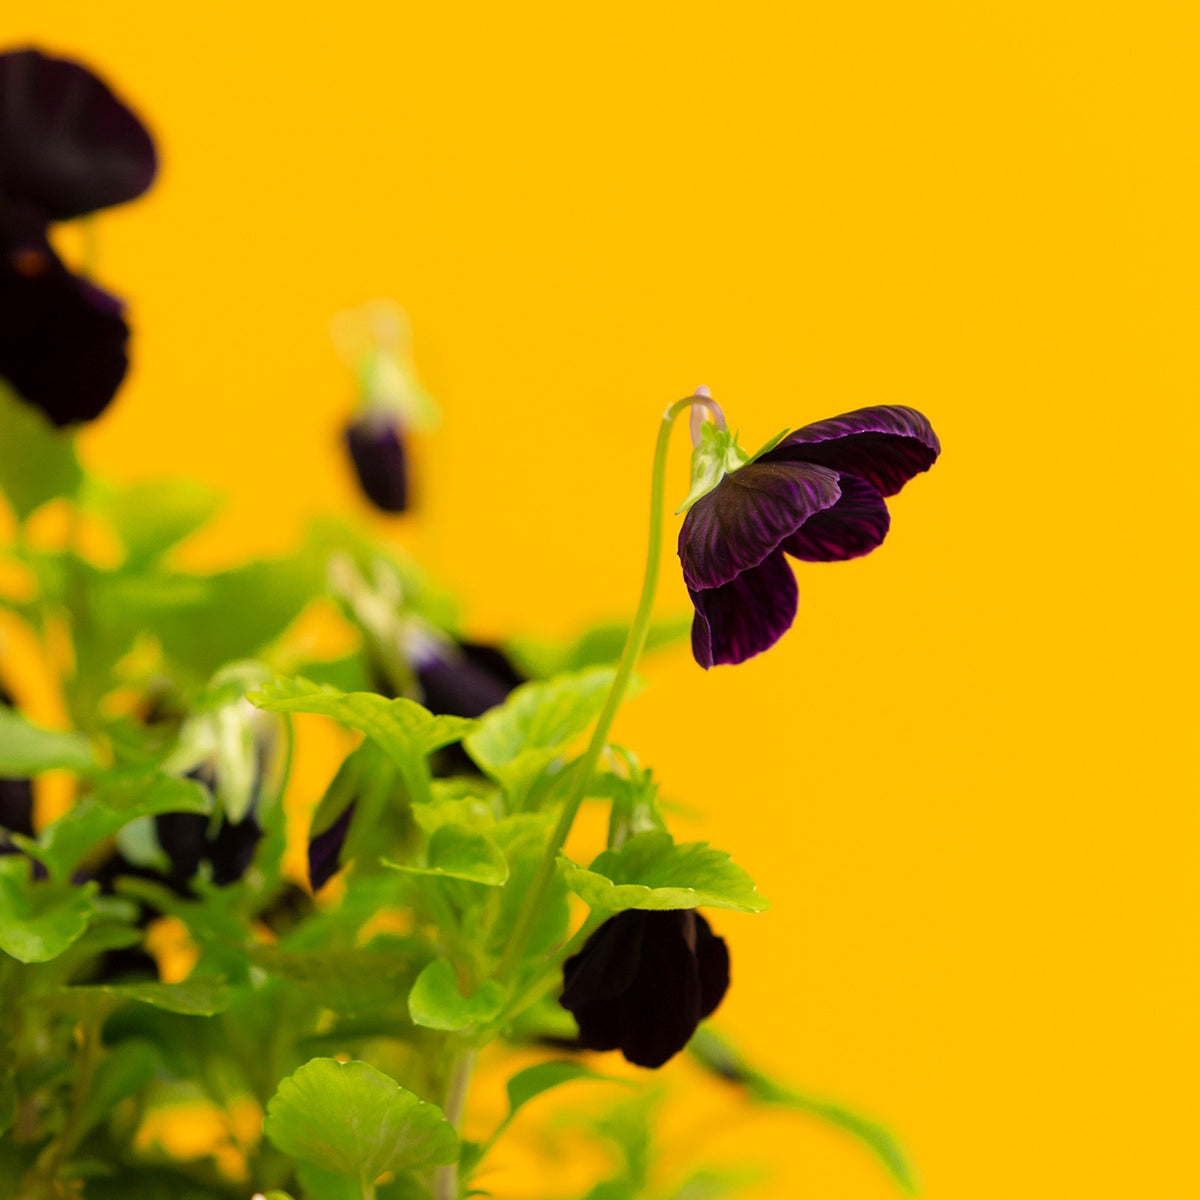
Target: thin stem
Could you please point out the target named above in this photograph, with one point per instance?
(445, 1179)
(635, 642)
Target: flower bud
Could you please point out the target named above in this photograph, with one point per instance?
(376, 444)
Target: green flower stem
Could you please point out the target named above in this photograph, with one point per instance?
(635, 642)
(445, 1179)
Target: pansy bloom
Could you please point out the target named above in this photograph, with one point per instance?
(817, 494)
(68, 147)
(643, 982)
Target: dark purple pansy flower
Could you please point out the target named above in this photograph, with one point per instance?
(817, 495)
(643, 982)
(375, 439)
(68, 147)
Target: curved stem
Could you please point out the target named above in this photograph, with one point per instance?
(635, 642)
(445, 1180)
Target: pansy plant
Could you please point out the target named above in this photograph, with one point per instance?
(428, 897)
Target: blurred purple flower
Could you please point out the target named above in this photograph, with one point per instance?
(375, 439)
(68, 147)
(819, 496)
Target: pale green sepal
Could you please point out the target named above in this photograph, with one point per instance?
(770, 445)
(716, 455)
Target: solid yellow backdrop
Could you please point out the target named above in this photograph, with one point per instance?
(961, 777)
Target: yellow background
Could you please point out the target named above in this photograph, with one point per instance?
(964, 778)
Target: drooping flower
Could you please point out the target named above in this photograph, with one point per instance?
(643, 982)
(817, 495)
(68, 147)
(375, 439)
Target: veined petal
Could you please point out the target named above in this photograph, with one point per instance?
(67, 144)
(886, 445)
(746, 616)
(746, 517)
(855, 525)
(62, 341)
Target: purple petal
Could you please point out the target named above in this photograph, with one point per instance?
(62, 341)
(377, 450)
(324, 850)
(712, 959)
(745, 617)
(67, 144)
(886, 445)
(855, 525)
(746, 517)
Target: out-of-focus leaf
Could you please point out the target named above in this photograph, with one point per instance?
(720, 1056)
(39, 921)
(194, 997)
(436, 1003)
(120, 797)
(356, 1121)
(596, 647)
(37, 462)
(650, 871)
(124, 1071)
(28, 749)
(530, 1083)
(456, 852)
(357, 980)
(152, 516)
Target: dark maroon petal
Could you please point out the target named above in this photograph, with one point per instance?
(16, 807)
(380, 460)
(232, 851)
(463, 681)
(325, 849)
(712, 959)
(745, 617)
(67, 144)
(662, 1008)
(886, 445)
(608, 963)
(855, 525)
(62, 341)
(747, 515)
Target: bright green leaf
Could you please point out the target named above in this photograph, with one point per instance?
(436, 1003)
(533, 1081)
(37, 462)
(456, 852)
(353, 1120)
(28, 749)
(152, 516)
(649, 871)
(119, 798)
(39, 921)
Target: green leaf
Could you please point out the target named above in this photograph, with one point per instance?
(28, 749)
(325, 1185)
(649, 871)
(119, 798)
(39, 921)
(196, 997)
(526, 1085)
(436, 1003)
(720, 1056)
(405, 731)
(355, 980)
(517, 741)
(124, 1071)
(456, 852)
(353, 1120)
(38, 462)
(152, 516)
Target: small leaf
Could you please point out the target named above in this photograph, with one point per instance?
(120, 797)
(649, 871)
(517, 741)
(353, 1120)
(28, 749)
(39, 921)
(152, 516)
(436, 1003)
(456, 852)
(38, 462)
(406, 732)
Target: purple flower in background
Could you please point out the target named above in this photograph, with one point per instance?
(68, 147)
(643, 982)
(817, 495)
(375, 440)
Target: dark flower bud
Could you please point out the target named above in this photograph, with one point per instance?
(643, 982)
(463, 679)
(376, 444)
(325, 849)
(16, 802)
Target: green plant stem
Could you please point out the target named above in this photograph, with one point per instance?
(635, 642)
(51, 1160)
(445, 1179)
